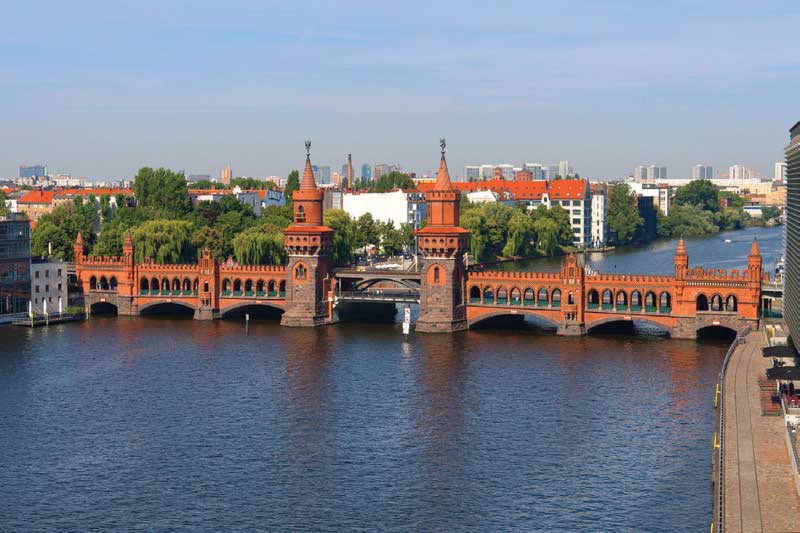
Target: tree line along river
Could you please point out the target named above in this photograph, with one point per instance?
(164, 423)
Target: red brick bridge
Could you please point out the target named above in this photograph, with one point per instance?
(573, 300)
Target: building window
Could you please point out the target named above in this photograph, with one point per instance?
(59, 287)
(59, 272)
(36, 274)
(47, 273)
(47, 288)
(37, 289)
(436, 274)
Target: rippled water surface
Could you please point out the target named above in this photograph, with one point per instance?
(167, 424)
(172, 424)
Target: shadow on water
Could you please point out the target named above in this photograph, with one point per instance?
(716, 333)
(628, 328)
(104, 308)
(256, 312)
(514, 323)
(367, 312)
(168, 309)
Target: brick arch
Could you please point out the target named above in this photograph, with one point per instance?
(653, 320)
(436, 275)
(239, 305)
(542, 315)
(156, 303)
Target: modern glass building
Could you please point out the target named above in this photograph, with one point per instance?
(15, 264)
(791, 280)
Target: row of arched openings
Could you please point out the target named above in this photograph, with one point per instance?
(103, 284)
(636, 301)
(173, 287)
(649, 301)
(716, 303)
(249, 287)
(516, 296)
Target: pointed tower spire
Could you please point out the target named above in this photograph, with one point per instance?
(681, 261)
(307, 182)
(681, 248)
(78, 248)
(443, 176)
(754, 249)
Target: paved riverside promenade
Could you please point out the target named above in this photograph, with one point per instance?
(759, 485)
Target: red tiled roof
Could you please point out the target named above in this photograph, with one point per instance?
(96, 192)
(37, 197)
(522, 190)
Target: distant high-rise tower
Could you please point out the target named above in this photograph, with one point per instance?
(366, 171)
(702, 172)
(350, 170)
(565, 169)
(225, 175)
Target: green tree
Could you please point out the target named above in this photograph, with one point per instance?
(688, 221)
(259, 245)
(701, 193)
(280, 216)
(2, 203)
(251, 184)
(769, 212)
(48, 233)
(547, 232)
(391, 238)
(736, 201)
(109, 242)
(292, 184)
(474, 221)
(520, 235)
(71, 218)
(624, 221)
(208, 237)
(391, 181)
(366, 233)
(731, 219)
(344, 236)
(165, 241)
(162, 190)
(497, 216)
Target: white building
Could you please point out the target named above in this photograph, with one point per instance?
(599, 220)
(400, 207)
(472, 173)
(659, 194)
(780, 171)
(48, 286)
(482, 197)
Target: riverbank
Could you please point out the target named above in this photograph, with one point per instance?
(758, 482)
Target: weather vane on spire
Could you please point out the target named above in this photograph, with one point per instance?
(308, 148)
(443, 144)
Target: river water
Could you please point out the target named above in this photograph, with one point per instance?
(166, 424)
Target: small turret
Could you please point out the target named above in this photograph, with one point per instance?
(79, 249)
(681, 261)
(754, 263)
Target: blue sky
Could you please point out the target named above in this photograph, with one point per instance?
(102, 88)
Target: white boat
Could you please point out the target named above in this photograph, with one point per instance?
(728, 241)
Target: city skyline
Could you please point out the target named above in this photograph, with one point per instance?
(161, 86)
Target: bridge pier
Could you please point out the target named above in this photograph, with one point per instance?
(206, 313)
(571, 329)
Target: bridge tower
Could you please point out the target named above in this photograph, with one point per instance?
(755, 274)
(308, 241)
(208, 287)
(572, 297)
(127, 284)
(442, 243)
